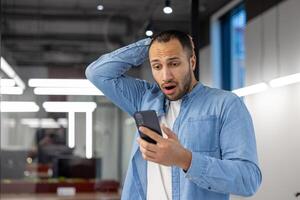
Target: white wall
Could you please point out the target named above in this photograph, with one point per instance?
(261, 44)
(276, 112)
(276, 115)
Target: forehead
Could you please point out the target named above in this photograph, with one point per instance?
(160, 50)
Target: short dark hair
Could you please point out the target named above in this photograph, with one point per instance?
(183, 38)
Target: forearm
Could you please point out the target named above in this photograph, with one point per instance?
(116, 63)
(107, 74)
(238, 177)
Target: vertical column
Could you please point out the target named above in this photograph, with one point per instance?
(89, 135)
(195, 32)
(71, 129)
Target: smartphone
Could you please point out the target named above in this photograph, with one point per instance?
(149, 119)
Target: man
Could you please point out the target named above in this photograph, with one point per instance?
(208, 149)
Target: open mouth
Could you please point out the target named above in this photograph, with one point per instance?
(169, 88)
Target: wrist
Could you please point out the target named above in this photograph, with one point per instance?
(186, 160)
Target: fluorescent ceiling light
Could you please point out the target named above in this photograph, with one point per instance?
(67, 91)
(40, 123)
(89, 135)
(285, 80)
(63, 87)
(19, 82)
(18, 106)
(67, 106)
(6, 82)
(11, 90)
(61, 83)
(6, 68)
(251, 89)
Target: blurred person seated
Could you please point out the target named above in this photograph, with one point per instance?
(50, 144)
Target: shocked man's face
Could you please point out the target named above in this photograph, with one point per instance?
(172, 68)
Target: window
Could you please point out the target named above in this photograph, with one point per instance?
(232, 32)
(228, 47)
(238, 25)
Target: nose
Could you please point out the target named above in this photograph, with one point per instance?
(167, 74)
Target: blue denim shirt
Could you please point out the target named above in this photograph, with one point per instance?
(213, 124)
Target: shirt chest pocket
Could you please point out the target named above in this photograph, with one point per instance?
(201, 134)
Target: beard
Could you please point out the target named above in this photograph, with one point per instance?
(183, 87)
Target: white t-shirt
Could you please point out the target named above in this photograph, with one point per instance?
(159, 177)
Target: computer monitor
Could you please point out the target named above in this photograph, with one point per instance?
(75, 167)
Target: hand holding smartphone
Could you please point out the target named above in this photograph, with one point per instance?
(149, 119)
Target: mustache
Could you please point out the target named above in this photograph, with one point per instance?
(168, 81)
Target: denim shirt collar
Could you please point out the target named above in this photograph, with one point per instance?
(198, 87)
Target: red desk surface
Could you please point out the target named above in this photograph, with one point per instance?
(51, 185)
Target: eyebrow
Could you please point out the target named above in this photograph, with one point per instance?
(173, 58)
(169, 59)
(155, 60)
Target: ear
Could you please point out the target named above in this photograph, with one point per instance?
(193, 62)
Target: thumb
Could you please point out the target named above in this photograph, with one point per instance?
(168, 132)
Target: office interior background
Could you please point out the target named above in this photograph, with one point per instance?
(61, 137)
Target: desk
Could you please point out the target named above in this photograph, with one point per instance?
(50, 186)
(81, 196)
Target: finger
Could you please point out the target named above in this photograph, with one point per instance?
(138, 140)
(148, 146)
(168, 132)
(147, 154)
(151, 134)
(150, 159)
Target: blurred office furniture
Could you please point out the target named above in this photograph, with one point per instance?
(76, 167)
(107, 186)
(81, 196)
(51, 144)
(49, 153)
(13, 164)
(47, 186)
(84, 175)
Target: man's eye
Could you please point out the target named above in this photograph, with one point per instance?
(175, 64)
(157, 67)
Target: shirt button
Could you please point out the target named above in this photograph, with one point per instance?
(209, 187)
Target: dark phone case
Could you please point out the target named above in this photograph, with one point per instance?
(147, 118)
